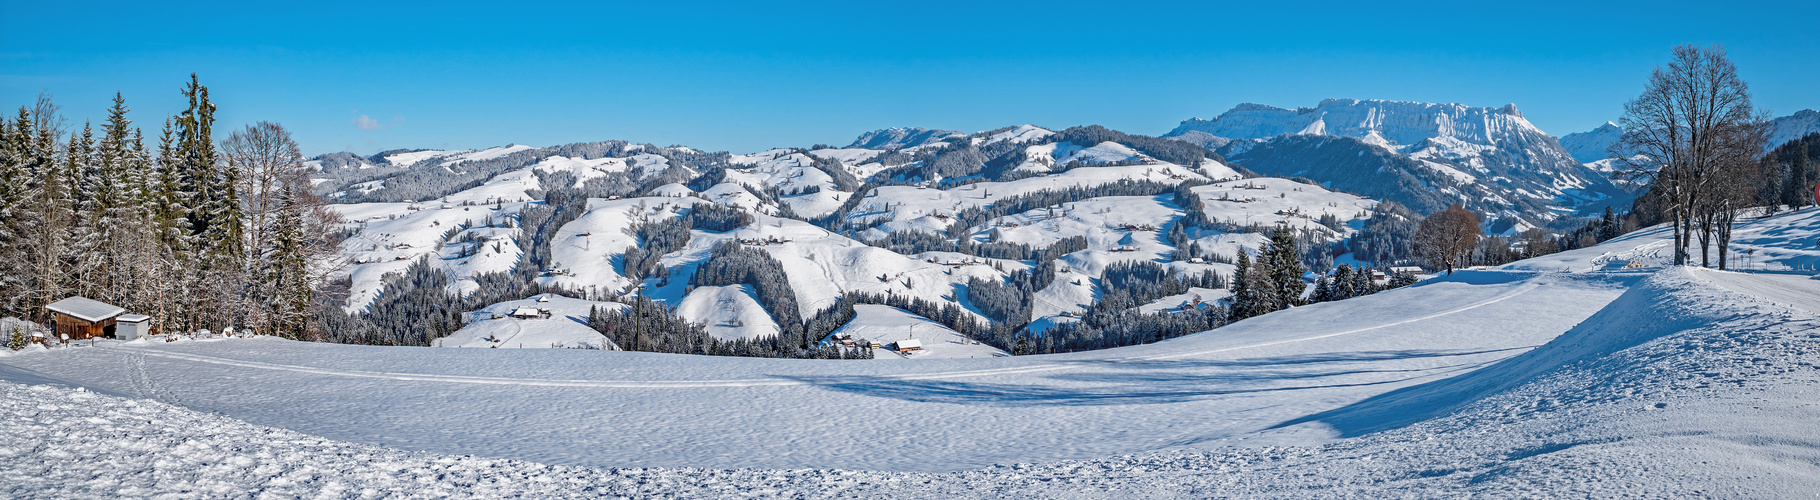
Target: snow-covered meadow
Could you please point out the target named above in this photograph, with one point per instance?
(1646, 382)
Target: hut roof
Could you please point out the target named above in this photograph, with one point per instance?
(132, 318)
(909, 344)
(86, 309)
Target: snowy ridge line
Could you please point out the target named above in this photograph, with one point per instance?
(634, 384)
(1526, 288)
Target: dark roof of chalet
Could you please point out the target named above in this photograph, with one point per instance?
(85, 309)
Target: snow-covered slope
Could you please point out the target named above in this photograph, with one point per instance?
(927, 415)
(1487, 383)
(1793, 127)
(566, 326)
(887, 325)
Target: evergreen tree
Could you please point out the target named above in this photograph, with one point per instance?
(212, 209)
(1284, 266)
(290, 271)
(82, 251)
(45, 221)
(1343, 283)
(1795, 191)
(1609, 225)
(1239, 304)
(1362, 284)
(15, 143)
(1264, 297)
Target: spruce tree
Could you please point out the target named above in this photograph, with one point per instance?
(46, 222)
(1799, 182)
(1265, 296)
(1609, 226)
(1241, 288)
(15, 138)
(212, 210)
(1323, 291)
(1284, 266)
(290, 268)
(84, 254)
(1343, 284)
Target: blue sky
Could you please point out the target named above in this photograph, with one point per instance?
(369, 76)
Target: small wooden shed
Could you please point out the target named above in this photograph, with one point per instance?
(908, 345)
(83, 318)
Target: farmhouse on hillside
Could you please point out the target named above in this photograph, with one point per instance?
(531, 313)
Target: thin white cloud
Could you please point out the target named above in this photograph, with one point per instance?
(367, 123)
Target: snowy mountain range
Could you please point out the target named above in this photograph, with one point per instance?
(1423, 155)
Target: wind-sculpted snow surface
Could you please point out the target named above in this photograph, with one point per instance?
(1679, 387)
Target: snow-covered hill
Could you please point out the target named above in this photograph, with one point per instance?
(902, 138)
(909, 213)
(1432, 155)
(1649, 382)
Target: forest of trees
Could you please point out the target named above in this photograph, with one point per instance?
(197, 234)
(647, 326)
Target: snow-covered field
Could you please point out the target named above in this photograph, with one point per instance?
(1674, 384)
(1562, 376)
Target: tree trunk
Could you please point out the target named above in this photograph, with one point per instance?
(1706, 239)
(1726, 216)
(1680, 238)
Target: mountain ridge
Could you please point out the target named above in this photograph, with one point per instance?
(1490, 159)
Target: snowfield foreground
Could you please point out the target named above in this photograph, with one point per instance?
(1670, 382)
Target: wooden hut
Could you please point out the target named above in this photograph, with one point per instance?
(83, 318)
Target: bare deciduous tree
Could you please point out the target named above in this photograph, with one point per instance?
(267, 160)
(1691, 126)
(1446, 238)
(274, 191)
